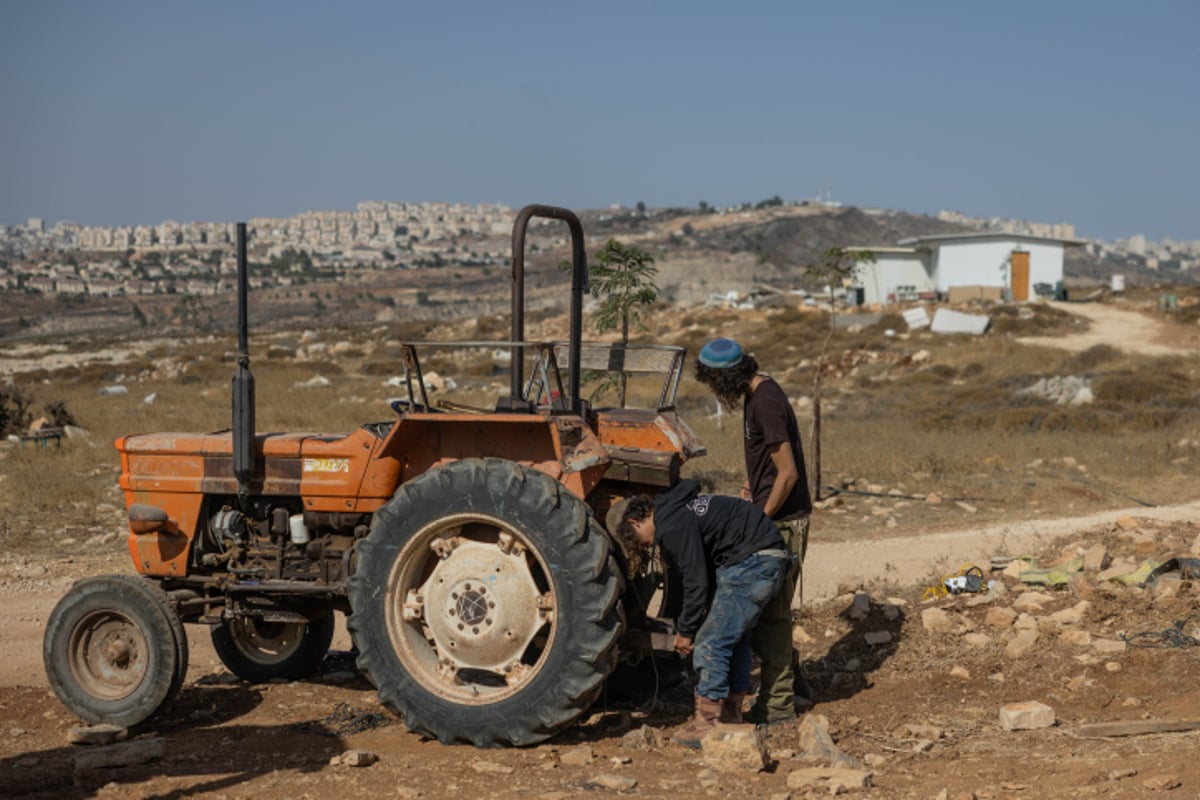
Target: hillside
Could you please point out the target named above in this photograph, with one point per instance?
(699, 253)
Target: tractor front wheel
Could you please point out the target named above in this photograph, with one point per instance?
(485, 604)
(114, 650)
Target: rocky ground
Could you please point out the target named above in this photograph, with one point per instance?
(922, 694)
(1062, 677)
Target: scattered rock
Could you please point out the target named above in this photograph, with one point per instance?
(96, 734)
(612, 782)
(1031, 601)
(816, 744)
(643, 738)
(832, 780)
(1028, 715)
(877, 637)
(1076, 638)
(1108, 646)
(1122, 773)
(967, 507)
(860, 607)
(491, 768)
(1070, 616)
(358, 758)
(1081, 586)
(960, 672)
(1096, 558)
(1162, 783)
(1119, 568)
(977, 639)
(1000, 617)
(936, 620)
(1015, 568)
(1021, 644)
(735, 748)
(1127, 523)
(577, 756)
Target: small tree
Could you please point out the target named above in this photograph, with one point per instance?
(622, 278)
(837, 266)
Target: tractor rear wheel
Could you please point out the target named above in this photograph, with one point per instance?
(114, 650)
(258, 650)
(485, 604)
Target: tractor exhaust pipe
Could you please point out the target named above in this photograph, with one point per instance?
(579, 287)
(243, 381)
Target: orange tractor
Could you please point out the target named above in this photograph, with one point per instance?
(486, 601)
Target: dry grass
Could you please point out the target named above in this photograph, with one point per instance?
(950, 425)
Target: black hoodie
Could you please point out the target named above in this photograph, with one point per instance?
(700, 532)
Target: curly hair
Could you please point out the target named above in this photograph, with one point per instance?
(730, 384)
(640, 507)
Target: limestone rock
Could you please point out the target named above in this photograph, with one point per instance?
(1075, 637)
(936, 620)
(613, 782)
(816, 744)
(577, 756)
(1108, 646)
(735, 748)
(830, 780)
(1021, 644)
(358, 758)
(1000, 617)
(1119, 568)
(1015, 568)
(1096, 558)
(1028, 715)
(1070, 616)
(1031, 601)
(643, 738)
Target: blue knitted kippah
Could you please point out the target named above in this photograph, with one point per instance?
(721, 353)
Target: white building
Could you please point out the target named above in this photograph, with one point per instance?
(1017, 264)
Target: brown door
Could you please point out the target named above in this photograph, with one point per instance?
(1020, 275)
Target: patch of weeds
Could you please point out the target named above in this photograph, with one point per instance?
(1093, 357)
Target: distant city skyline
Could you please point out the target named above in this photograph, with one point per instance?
(134, 112)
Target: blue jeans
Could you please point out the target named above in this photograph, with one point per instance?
(722, 650)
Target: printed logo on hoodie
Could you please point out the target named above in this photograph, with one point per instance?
(699, 504)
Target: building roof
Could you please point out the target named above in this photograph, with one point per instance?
(927, 241)
(877, 249)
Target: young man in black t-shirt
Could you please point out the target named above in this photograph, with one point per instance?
(776, 482)
(726, 550)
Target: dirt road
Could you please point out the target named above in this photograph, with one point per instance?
(1131, 331)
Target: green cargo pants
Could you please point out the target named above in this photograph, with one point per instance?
(772, 637)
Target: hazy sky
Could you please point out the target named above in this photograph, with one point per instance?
(125, 112)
